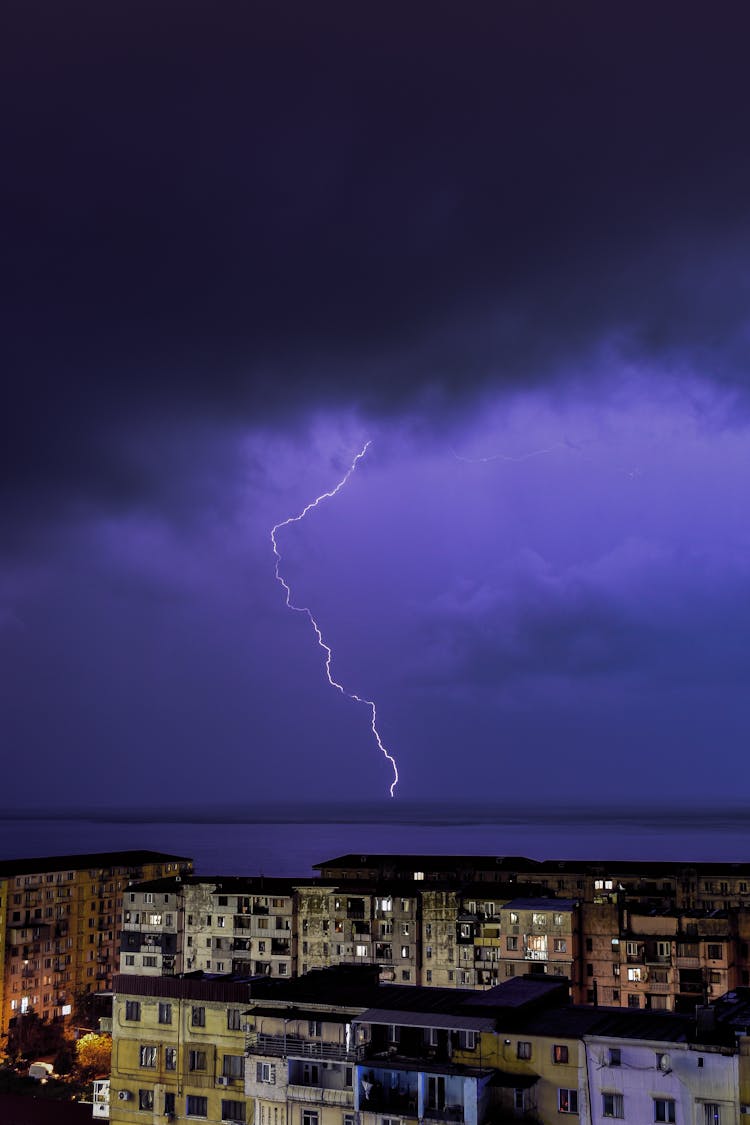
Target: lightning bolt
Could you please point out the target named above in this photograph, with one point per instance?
(308, 613)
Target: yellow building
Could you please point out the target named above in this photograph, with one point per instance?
(178, 1049)
(61, 916)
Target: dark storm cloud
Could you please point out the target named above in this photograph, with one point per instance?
(235, 214)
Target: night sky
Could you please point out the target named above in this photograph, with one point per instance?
(509, 245)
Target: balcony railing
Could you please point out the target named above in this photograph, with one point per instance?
(447, 1113)
(320, 1096)
(294, 1046)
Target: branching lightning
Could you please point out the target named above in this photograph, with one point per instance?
(308, 613)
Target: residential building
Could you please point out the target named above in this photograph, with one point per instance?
(61, 917)
(339, 1046)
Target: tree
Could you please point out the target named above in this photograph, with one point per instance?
(94, 1054)
(30, 1037)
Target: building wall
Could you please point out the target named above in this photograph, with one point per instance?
(689, 1077)
(180, 1042)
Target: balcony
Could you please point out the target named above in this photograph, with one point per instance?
(320, 1096)
(294, 1046)
(397, 1102)
(447, 1113)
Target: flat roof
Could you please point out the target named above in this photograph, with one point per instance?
(86, 861)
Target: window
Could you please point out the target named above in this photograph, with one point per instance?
(196, 1060)
(614, 1056)
(129, 960)
(404, 950)
(711, 1113)
(635, 974)
(145, 1099)
(634, 1000)
(511, 943)
(567, 1101)
(715, 953)
(631, 948)
(232, 1111)
(559, 1053)
(169, 1103)
(523, 1050)
(265, 1072)
(538, 919)
(149, 962)
(147, 1056)
(234, 1066)
(467, 1040)
(198, 1017)
(560, 945)
(309, 1117)
(314, 1028)
(170, 1058)
(557, 919)
(612, 1105)
(132, 1010)
(664, 1110)
(196, 1106)
(221, 921)
(513, 918)
(428, 952)
(234, 1019)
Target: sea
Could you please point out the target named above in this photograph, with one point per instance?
(288, 840)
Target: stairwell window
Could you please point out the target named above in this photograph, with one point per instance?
(523, 1050)
(196, 1060)
(711, 1113)
(147, 1056)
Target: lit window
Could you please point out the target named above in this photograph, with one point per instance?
(560, 1053)
(567, 1101)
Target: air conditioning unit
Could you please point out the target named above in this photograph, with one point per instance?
(222, 1080)
(124, 1095)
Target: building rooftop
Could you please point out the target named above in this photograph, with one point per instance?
(87, 861)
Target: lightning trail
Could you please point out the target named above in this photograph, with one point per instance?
(308, 613)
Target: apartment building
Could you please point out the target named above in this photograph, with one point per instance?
(363, 924)
(339, 1046)
(216, 924)
(659, 885)
(61, 918)
(178, 1049)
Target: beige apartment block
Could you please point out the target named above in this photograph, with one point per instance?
(355, 924)
(221, 925)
